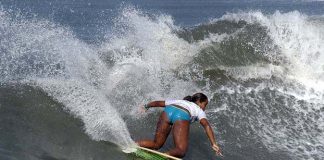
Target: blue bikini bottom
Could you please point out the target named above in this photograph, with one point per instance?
(175, 113)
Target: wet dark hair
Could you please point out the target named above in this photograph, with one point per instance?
(200, 97)
(188, 98)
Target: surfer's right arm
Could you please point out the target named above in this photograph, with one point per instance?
(210, 134)
(154, 104)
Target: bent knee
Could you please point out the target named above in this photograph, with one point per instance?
(157, 146)
(181, 152)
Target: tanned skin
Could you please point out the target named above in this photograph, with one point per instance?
(180, 133)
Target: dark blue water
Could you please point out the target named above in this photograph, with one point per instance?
(74, 73)
(91, 19)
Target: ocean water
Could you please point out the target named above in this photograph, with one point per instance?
(74, 73)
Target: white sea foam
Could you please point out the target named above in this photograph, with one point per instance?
(256, 71)
(300, 42)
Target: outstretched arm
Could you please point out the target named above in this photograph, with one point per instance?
(210, 135)
(156, 104)
(145, 107)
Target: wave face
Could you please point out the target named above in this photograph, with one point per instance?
(263, 73)
(266, 72)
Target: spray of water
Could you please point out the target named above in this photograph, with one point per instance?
(98, 85)
(40, 53)
(145, 56)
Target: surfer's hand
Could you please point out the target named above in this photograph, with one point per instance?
(217, 150)
(142, 109)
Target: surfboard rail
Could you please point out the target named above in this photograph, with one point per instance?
(159, 153)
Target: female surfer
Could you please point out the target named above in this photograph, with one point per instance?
(179, 114)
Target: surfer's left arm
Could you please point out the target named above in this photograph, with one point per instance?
(210, 134)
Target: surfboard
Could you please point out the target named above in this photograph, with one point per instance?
(149, 154)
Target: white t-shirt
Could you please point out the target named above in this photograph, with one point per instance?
(196, 112)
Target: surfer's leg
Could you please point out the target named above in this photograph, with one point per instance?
(180, 137)
(162, 131)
